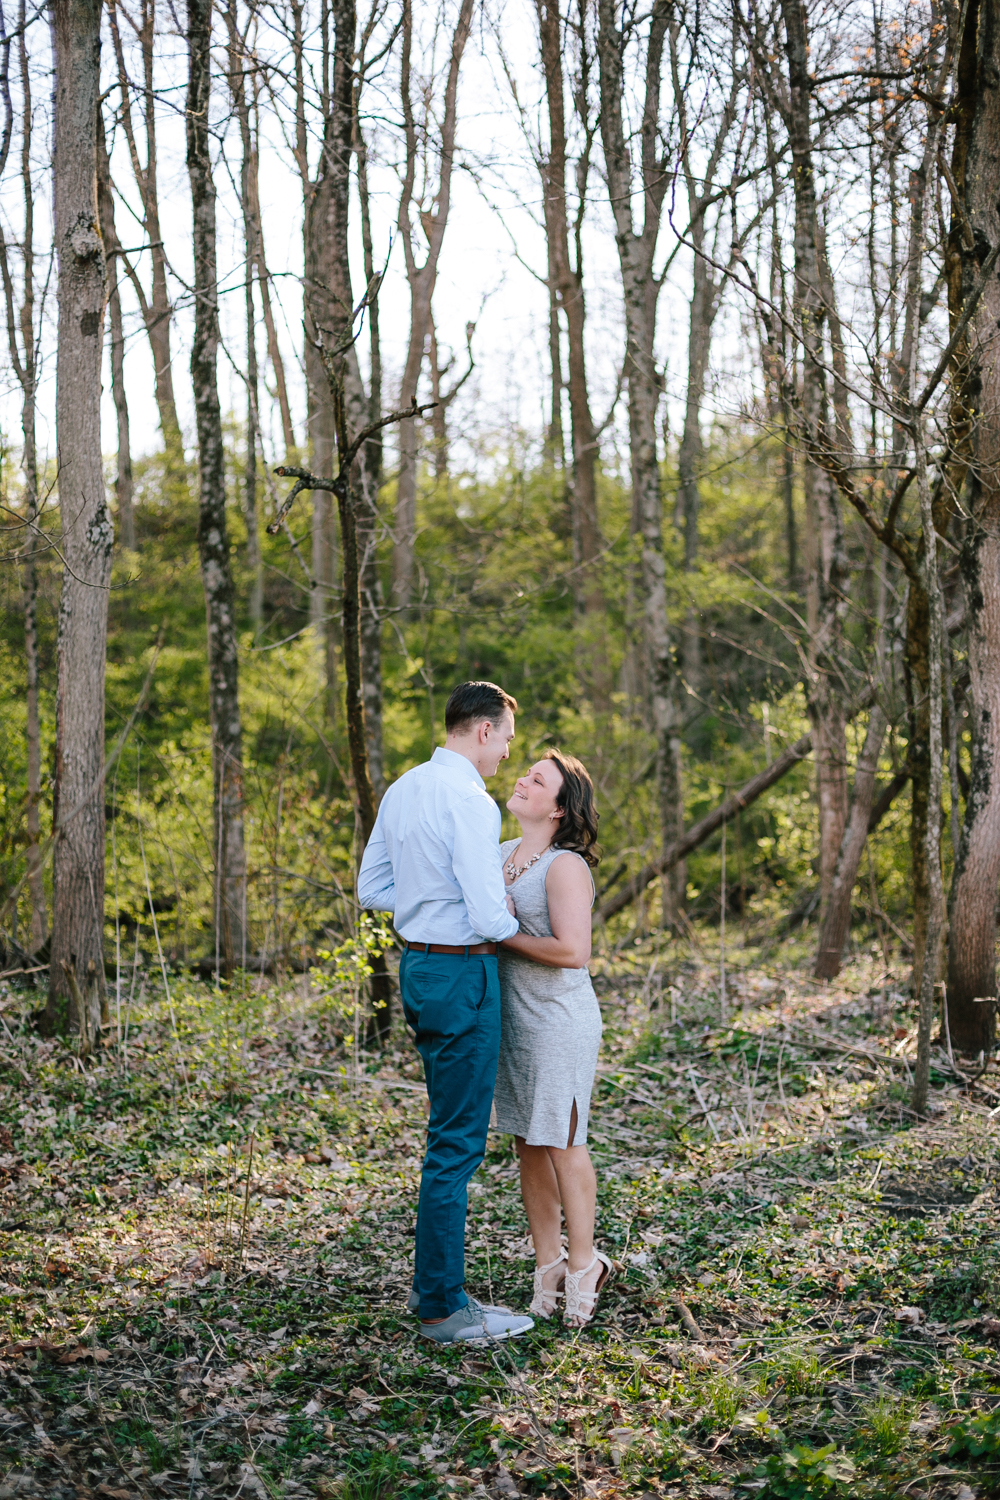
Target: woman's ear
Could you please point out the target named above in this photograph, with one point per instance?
(557, 814)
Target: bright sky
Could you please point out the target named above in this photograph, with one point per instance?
(493, 252)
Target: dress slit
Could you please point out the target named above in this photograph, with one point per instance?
(550, 1032)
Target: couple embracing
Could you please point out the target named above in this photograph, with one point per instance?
(494, 982)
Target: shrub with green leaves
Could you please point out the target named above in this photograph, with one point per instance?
(978, 1437)
(800, 1473)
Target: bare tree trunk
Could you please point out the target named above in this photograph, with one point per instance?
(636, 251)
(23, 359)
(370, 485)
(251, 235)
(332, 319)
(705, 300)
(932, 845)
(328, 307)
(264, 284)
(690, 454)
(837, 920)
(828, 570)
(213, 538)
(38, 929)
(555, 444)
(421, 278)
(976, 436)
(568, 275)
(156, 308)
(778, 388)
(106, 209)
(76, 976)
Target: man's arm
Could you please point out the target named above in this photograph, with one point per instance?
(476, 866)
(376, 885)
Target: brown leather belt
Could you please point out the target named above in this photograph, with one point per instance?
(451, 948)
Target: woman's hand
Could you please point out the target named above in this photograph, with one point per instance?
(570, 892)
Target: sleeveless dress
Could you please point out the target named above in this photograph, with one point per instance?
(550, 1028)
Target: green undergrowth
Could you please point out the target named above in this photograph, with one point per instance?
(207, 1245)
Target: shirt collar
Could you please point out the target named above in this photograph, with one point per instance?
(452, 761)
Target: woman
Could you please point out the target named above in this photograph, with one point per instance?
(551, 1029)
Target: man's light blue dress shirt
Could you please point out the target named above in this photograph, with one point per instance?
(434, 856)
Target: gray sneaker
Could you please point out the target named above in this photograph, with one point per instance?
(476, 1322)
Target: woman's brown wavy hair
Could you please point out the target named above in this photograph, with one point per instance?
(577, 828)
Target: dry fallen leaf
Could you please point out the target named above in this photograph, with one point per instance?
(83, 1351)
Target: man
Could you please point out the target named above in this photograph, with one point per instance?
(433, 860)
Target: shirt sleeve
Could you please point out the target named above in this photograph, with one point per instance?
(476, 866)
(376, 884)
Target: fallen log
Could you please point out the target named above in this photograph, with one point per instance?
(748, 793)
(706, 826)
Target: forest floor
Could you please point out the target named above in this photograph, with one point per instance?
(804, 1303)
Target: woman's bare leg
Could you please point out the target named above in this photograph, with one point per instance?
(540, 1194)
(577, 1188)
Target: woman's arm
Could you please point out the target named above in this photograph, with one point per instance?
(570, 890)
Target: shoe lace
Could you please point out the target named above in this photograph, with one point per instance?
(475, 1312)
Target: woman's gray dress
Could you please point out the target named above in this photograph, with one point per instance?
(550, 1028)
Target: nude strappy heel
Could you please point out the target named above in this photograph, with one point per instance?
(544, 1300)
(580, 1305)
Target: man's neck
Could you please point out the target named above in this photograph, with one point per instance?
(467, 751)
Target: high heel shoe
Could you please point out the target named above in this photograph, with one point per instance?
(544, 1299)
(581, 1305)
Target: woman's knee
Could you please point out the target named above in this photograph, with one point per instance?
(568, 1158)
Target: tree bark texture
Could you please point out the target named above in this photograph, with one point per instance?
(828, 574)
(636, 251)
(328, 308)
(156, 307)
(76, 976)
(567, 273)
(22, 344)
(112, 246)
(976, 415)
(935, 762)
(369, 487)
(691, 452)
(421, 278)
(836, 923)
(213, 538)
(251, 256)
(705, 300)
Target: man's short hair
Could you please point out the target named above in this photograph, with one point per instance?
(471, 702)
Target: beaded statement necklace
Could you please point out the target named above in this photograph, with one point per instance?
(513, 871)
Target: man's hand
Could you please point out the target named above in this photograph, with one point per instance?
(510, 905)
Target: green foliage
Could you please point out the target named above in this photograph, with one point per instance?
(350, 964)
(800, 1374)
(372, 1476)
(726, 1399)
(802, 1473)
(976, 1437)
(496, 563)
(884, 1427)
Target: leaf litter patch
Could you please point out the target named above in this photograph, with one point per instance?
(938, 1190)
(207, 1296)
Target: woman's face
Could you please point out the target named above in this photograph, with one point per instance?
(535, 793)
